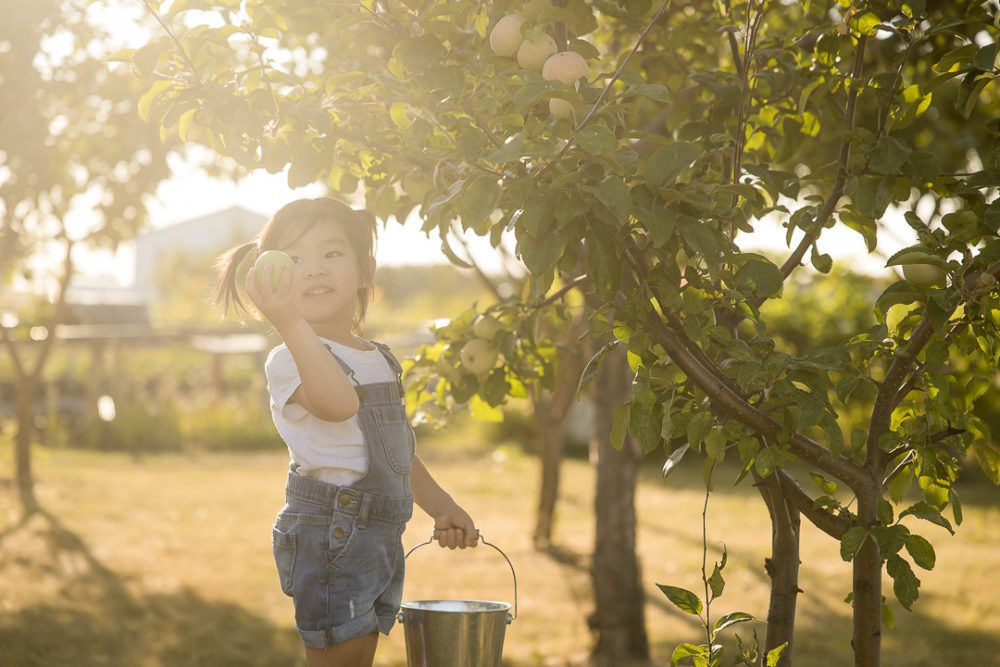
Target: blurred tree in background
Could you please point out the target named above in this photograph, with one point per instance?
(76, 163)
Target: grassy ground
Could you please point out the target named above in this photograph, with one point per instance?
(166, 561)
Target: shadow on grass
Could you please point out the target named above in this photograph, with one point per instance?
(93, 619)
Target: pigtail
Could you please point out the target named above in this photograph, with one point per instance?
(227, 268)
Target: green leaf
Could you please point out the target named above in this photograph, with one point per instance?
(683, 599)
(397, 112)
(866, 23)
(597, 140)
(483, 411)
(716, 583)
(145, 104)
(927, 512)
(900, 484)
(675, 458)
(619, 426)
(687, 650)
(479, 200)
(715, 445)
(653, 91)
(890, 154)
(851, 542)
(774, 655)
(890, 539)
(645, 413)
(594, 365)
(761, 277)
(698, 428)
(121, 55)
(668, 162)
(767, 461)
(732, 618)
(865, 224)
(613, 193)
(921, 551)
(823, 484)
(420, 54)
(904, 583)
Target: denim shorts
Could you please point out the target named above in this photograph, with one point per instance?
(340, 556)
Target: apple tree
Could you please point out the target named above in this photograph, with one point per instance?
(71, 145)
(636, 187)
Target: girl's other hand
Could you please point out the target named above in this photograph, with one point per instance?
(278, 304)
(454, 528)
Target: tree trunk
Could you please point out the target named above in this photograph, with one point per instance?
(867, 589)
(550, 443)
(25, 392)
(550, 412)
(619, 619)
(782, 567)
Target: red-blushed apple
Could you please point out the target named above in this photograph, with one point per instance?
(486, 327)
(506, 37)
(275, 259)
(534, 51)
(478, 356)
(566, 66)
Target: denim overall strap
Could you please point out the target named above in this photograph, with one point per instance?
(389, 438)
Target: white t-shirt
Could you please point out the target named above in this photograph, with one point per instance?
(333, 452)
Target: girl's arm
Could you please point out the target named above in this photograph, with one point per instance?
(452, 525)
(325, 390)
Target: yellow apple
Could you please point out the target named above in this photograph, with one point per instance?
(478, 356)
(566, 66)
(506, 37)
(533, 52)
(276, 261)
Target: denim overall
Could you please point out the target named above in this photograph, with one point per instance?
(338, 549)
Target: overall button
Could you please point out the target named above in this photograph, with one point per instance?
(346, 501)
(340, 533)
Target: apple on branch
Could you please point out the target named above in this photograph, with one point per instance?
(506, 37)
(486, 327)
(535, 50)
(478, 356)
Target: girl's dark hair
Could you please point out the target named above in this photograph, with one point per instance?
(290, 222)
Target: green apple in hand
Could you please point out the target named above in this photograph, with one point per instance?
(275, 259)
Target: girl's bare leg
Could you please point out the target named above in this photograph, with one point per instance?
(358, 652)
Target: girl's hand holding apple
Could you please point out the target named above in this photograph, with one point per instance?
(269, 286)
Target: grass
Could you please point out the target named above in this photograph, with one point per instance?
(166, 560)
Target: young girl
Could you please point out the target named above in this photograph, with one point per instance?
(337, 402)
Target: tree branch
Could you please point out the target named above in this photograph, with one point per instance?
(831, 524)
(830, 205)
(888, 391)
(728, 402)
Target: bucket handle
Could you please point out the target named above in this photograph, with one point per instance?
(479, 535)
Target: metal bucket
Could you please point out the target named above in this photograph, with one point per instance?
(456, 633)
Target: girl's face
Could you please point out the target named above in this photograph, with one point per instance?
(327, 276)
